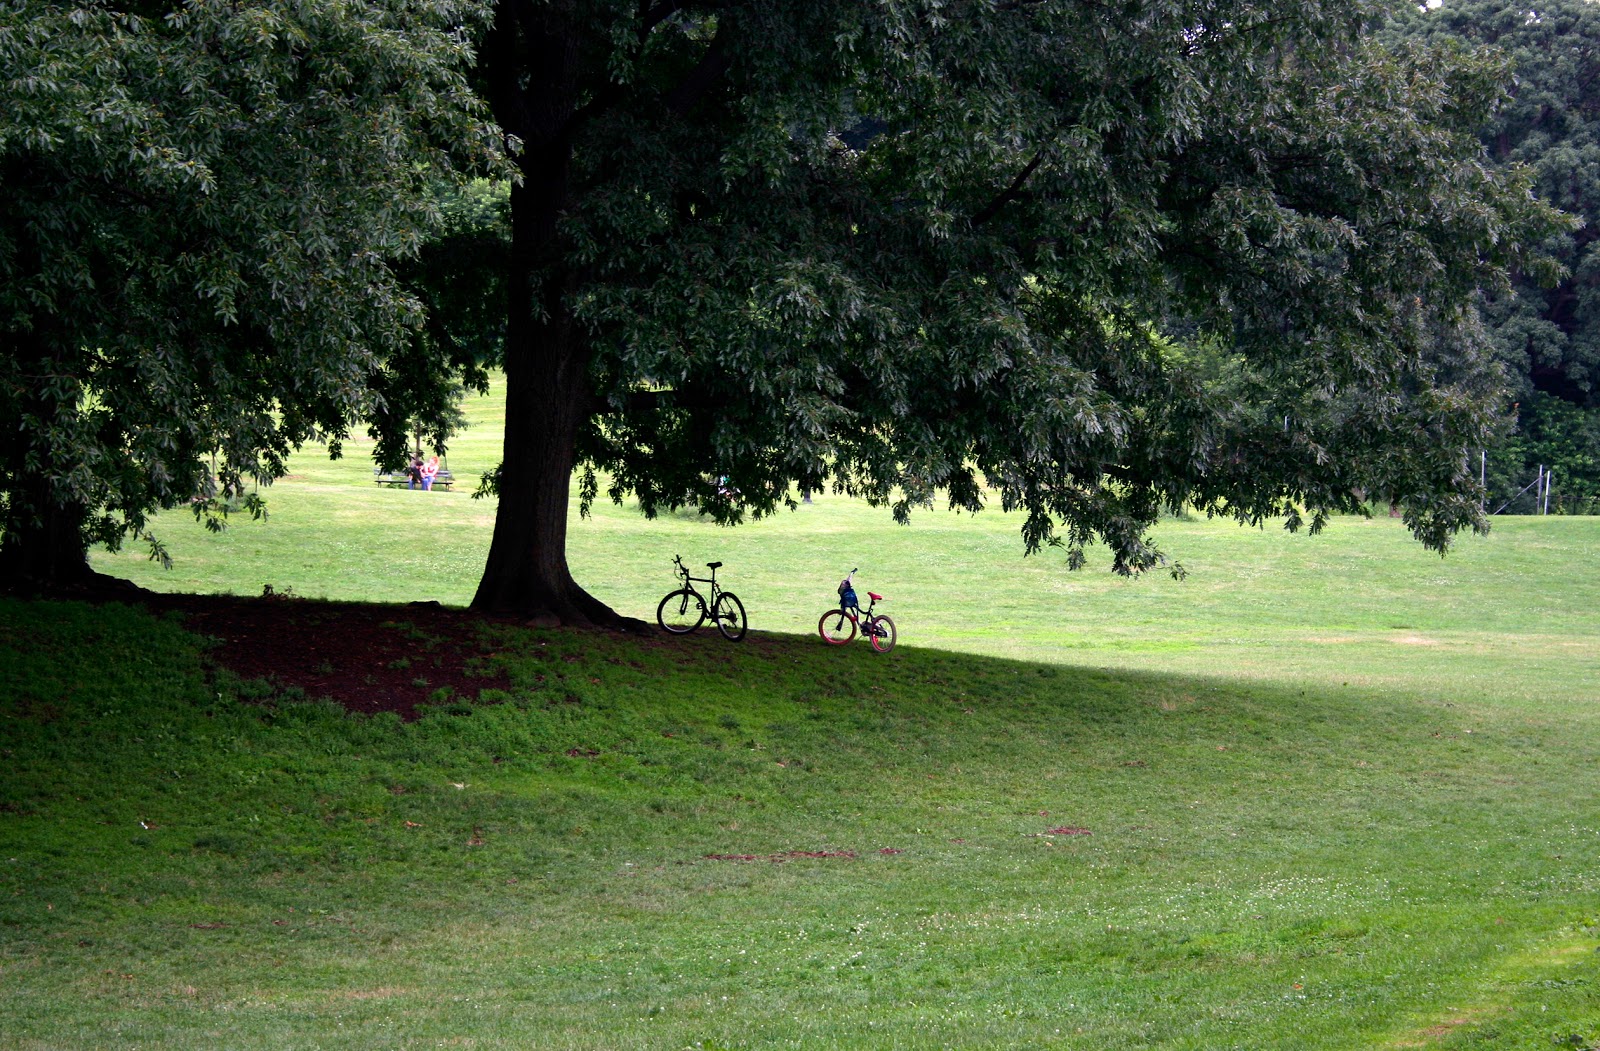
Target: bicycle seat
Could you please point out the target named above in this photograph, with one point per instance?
(713, 565)
(875, 598)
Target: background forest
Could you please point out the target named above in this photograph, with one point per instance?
(1548, 337)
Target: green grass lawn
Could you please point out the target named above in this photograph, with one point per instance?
(1327, 792)
(1512, 616)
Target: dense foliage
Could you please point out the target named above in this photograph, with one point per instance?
(202, 202)
(1548, 336)
(1552, 437)
(1101, 262)
(919, 249)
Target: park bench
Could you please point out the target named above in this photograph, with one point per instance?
(443, 480)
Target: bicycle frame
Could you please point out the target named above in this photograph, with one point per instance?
(875, 627)
(857, 614)
(724, 608)
(689, 582)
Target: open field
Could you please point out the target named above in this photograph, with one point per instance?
(1514, 615)
(1327, 792)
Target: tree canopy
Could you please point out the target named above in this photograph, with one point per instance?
(202, 205)
(1089, 262)
(1549, 122)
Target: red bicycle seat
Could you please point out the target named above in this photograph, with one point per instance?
(875, 598)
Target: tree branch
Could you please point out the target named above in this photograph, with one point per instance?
(712, 64)
(497, 60)
(612, 93)
(650, 17)
(1010, 193)
(641, 401)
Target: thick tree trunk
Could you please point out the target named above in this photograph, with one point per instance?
(547, 396)
(44, 551)
(531, 59)
(43, 548)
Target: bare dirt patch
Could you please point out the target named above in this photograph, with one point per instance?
(369, 658)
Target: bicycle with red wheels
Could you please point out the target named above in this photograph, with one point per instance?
(839, 626)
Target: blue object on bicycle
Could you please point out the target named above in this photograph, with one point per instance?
(847, 599)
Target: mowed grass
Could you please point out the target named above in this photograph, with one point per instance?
(1327, 792)
(1514, 616)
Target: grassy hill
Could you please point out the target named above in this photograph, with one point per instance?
(1514, 615)
(1327, 793)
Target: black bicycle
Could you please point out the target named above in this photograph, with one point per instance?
(686, 609)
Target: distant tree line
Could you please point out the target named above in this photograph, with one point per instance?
(1547, 336)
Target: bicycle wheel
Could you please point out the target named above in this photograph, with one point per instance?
(728, 612)
(681, 611)
(836, 627)
(881, 631)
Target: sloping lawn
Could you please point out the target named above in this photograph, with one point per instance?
(1327, 792)
(689, 843)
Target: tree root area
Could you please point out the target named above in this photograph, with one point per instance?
(368, 658)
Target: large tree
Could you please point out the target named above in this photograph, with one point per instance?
(1090, 261)
(202, 204)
